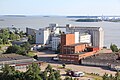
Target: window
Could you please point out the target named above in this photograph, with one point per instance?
(39, 33)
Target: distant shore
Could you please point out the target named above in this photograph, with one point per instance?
(88, 20)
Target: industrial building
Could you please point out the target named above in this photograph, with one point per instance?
(93, 35)
(45, 35)
(42, 36)
(73, 52)
(66, 39)
(97, 33)
(18, 61)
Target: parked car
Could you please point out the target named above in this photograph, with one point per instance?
(75, 73)
(55, 58)
(78, 74)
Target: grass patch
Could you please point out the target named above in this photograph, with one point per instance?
(31, 53)
(5, 45)
(94, 76)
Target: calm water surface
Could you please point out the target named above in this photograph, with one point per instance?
(111, 29)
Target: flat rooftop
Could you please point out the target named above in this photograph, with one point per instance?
(15, 59)
(104, 58)
(77, 44)
(9, 57)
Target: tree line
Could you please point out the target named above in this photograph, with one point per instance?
(33, 73)
(22, 49)
(6, 35)
(111, 77)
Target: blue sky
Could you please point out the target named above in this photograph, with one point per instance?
(60, 7)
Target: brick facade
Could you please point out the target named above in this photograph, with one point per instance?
(75, 58)
(67, 39)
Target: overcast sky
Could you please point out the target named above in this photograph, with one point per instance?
(60, 7)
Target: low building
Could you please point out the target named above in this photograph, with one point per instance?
(21, 41)
(110, 60)
(75, 48)
(30, 31)
(55, 42)
(75, 58)
(92, 48)
(18, 61)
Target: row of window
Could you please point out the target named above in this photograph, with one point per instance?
(67, 60)
(69, 56)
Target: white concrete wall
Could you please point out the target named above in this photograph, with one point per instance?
(85, 38)
(42, 36)
(55, 42)
(76, 37)
(46, 36)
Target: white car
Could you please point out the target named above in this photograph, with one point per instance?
(55, 58)
(78, 74)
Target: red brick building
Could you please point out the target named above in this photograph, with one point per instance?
(75, 58)
(91, 48)
(73, 53)
(67, 39)
(74, 48)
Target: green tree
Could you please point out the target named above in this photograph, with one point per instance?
(105, 76)
(19, 75)
(31, 39)
(33, 72)
(117, 76)
(68, 78)
(1, 41)
(5, 40)
(26, 46)
(4, 35)
(44, 75)
(57, 75)
(111, 77)
(114, 48)
(21, 51)
(108, 77)
(51, 76)
(21, 34)
(12, 36)
(8, 72)
(63, 65)
(13, 49)
(49, 68)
